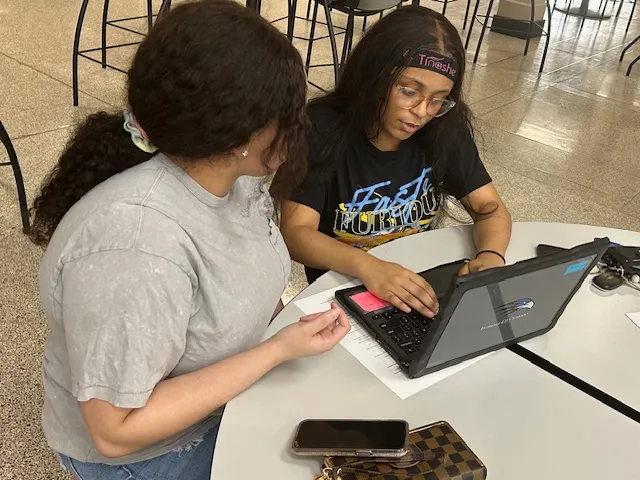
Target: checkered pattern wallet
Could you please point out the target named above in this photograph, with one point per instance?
(435, 452)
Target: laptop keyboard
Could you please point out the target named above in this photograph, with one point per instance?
(407, 330)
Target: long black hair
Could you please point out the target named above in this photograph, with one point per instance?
(366, 81)
(209, 75)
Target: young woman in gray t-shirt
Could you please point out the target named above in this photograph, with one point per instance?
(163, 265)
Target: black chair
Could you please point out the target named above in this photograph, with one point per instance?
(626, 49)
(603, 8)
(351, 8)
(166, 4)
(17, 173)
(539, 31)
(292, 16)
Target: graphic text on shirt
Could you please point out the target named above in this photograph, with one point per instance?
(371, 219)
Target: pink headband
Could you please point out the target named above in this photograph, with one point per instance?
(435, 62)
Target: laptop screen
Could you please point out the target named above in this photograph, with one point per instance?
(515, 307)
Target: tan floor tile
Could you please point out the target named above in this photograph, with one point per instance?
(633, 207)
(589, 178)
(37, 155)
(530, 200)
(34, 103)
(493, 95)
(567, 121)
(609, 81)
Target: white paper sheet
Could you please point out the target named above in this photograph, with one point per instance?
(634, 317)
(367, 351)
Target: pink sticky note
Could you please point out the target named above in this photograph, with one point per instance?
(368, 302)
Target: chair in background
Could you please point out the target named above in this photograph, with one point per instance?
(17, 173)
(604, 3)
(166, 4)
(351, 8)
(539, 31)
(291, 18)
(626, 49)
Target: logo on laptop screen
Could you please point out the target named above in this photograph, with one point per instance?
(513, 307)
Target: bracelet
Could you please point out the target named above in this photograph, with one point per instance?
(504, 260)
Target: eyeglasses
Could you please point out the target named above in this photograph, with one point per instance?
(410, 98)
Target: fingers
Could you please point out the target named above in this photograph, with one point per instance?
(341, 327)
(394, 300)
(464, 270)
(312, 316)
(415, 303)
(426, 294)
(324, 320)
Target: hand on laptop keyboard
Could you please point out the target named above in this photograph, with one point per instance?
(400, 287)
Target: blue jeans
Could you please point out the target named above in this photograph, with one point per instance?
(192, 463)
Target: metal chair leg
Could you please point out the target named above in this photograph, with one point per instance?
(472, 21)
(149, 14)
(364, 23)
(484, 29)
(604, 9)
(164, 8)
(105, 18)
(466, 15)
(332, 39)
(632, 64)
(291, 18)
(314, 19)
(600, 5)
(546, 43)
(76, 48)
(444, 7)
(309, 9)
(619, 8)
(532, 19)
(633, 9)
(628, 47)
(348, 35)
(17, 174)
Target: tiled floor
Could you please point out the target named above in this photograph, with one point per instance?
(563, 146)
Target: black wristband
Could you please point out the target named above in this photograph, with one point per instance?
(504, 260)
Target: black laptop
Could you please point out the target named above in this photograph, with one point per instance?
(480, 312)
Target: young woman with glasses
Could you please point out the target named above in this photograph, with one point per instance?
(386, 147)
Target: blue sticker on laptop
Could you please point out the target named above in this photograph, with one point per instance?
(577, 267)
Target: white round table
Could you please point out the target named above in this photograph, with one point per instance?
(521, 421)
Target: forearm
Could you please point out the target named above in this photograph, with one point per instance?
(493, 232)
(182, 401)
(317, 250)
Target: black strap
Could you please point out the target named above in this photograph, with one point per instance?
(581, 385)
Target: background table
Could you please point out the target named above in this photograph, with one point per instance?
(594, 340)
(521, 421)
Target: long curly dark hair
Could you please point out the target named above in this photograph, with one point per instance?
(365, 83)
(208, 76)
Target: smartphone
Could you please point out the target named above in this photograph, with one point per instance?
(360, 438)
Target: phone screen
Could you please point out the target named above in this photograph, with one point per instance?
(352, 434)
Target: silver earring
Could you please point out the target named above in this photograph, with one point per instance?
(245, 153)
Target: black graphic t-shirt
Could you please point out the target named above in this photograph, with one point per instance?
(373, 196)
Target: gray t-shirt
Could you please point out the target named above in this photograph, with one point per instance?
(147, 277)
